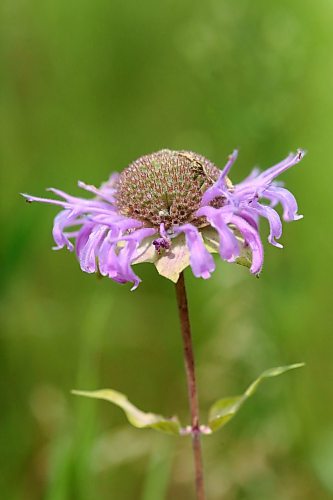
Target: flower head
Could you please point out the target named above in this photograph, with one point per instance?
(172, 208)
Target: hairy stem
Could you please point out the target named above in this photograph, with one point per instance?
(191, 385)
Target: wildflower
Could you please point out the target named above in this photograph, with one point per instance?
(174, 209)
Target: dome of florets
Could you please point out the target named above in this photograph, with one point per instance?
(165, 187)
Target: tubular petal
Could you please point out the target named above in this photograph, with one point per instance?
(273, 218)
(252, 238)
(219, 218)
(201, 261)
(281, 195)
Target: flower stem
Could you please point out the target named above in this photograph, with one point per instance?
(191, 384)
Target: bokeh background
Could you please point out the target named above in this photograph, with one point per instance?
(87, 87)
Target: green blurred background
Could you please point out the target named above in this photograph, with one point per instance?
(87, 87)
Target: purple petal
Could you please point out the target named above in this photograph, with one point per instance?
(89, 253)
(218, 218)
(252, 238)
(83, 206)
(273, 219)
(255, 186)
(289, 204)
(110, 185)
(219, 188)
(231, 160)
(138, 235)
(113, 220)
(97, 247)
(252, 175)
(64, 219)
(82, 238)
(201, 261)
(31, 199)
(124, 270)
(105, 194)
(118, 265)
(75, 200)
(252, 218)
(163, 232)
(107, 257)
(291, 160)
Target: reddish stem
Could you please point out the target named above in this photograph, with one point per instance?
(191, 384)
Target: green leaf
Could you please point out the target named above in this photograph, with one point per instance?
(211, 239)
(245, 257)
(135, 416)
(224, 409)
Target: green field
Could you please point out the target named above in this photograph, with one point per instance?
(86, 88)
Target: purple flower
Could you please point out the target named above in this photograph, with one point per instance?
(174, 209)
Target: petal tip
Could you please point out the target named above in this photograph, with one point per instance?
(28, 198)
(301, 153)
(135, 286)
